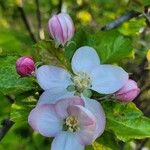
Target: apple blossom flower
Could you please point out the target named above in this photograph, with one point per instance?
(61, 28)
(25, 66)
(71, 121)
(88, 75)
(128, 92)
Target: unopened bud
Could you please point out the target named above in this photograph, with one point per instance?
(128, 92)
(61, 28)
(25, 66)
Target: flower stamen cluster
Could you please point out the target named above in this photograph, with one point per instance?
(81, 81)
(71, 124)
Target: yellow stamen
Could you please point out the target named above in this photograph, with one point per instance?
(72, 124)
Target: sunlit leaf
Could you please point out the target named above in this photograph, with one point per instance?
(48, 53)
(126, 121)
(132, 27)
(107, 141)
(21, 109)
(111, 46)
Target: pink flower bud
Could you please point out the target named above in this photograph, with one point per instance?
(25, 66)
(61, 28)
(128, 92)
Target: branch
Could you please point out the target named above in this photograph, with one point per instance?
(26, 22)
(127, 16)
(38, 14)
(6, 125)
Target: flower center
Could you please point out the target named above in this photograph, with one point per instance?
(71, 124)
(82, 81)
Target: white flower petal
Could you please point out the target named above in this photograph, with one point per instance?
(66, 141)
(53, 78)
(107, 79)
(51, 97)
(84, 59)
(97, 110)
(44, 120)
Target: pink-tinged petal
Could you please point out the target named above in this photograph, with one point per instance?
(96, 108)
(32, 119)
(51, 96)
(107, 79)
(62, 105)
(84, 59)
(68, 28)
(55, 29)
(51, 25)
(53, 78)
(44, 120)
(85, 117)
(66, 141)
(87, 123)
(64, 27)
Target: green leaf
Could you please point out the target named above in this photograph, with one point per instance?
(12, 42)
(106, 142)
(5, 107)
(137, 5)
(8, 41)
(89, 147)
(21, 108)
(126, 120)
(48, 53)
(40, 140)
(132, 27)
(10, 82)
(146, 2)
(111, 46)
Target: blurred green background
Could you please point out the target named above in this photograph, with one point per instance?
(15, 40)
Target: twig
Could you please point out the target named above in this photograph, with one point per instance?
(26, 22)
(38, 14)
(60, 6)
(127, 16)
(6, 125)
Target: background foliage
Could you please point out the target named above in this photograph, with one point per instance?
(128, 125)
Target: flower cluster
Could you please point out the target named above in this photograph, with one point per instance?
(71, 121)
(66, 110)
